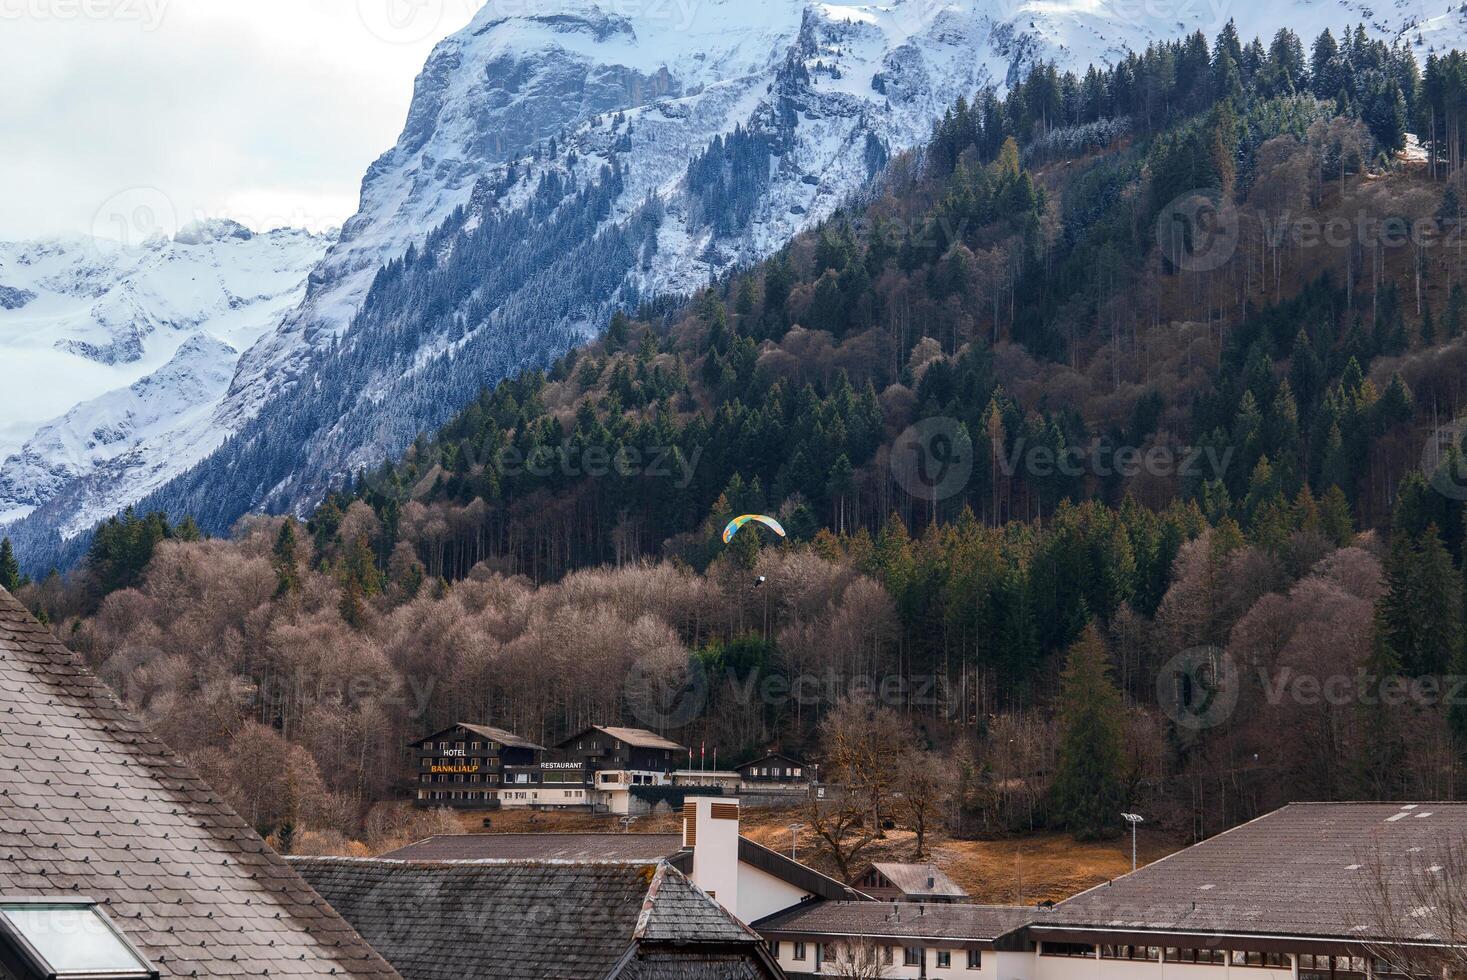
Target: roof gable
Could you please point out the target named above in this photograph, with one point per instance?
(91, 804)
(500, 735)
(919, 879)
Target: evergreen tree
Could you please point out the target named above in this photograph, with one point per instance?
(1089, 786)
(9, 568)
(286, 559)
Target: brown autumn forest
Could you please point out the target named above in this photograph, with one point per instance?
(1032, 636)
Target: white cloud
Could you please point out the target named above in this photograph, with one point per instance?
(267, 111)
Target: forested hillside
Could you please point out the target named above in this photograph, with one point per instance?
(1131, 387)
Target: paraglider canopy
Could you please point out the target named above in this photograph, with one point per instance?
(737, 524)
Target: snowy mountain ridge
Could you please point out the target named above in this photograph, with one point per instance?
(114, 356)
(565, 137)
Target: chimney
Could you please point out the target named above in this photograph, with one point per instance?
(711, 829)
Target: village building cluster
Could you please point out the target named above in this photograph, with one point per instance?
(117, 862)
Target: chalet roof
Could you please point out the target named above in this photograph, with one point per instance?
(93, 805)
(898, 921)
(541, 847)
(1304, 870)
(772, 757)
(920, 879)
(636, 737)
(518, 920)
(500, 735)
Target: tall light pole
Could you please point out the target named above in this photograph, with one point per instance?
(795, 828)
(1135, 820)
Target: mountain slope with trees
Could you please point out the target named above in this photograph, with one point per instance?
(1187, 468)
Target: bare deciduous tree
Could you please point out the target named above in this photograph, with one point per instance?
(1414, 908)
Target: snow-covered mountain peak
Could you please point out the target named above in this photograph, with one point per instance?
(559, 158)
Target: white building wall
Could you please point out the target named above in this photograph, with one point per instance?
(990, 969)
(1032, 966)
(761, 894)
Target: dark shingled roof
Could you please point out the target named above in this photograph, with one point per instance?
(890, 920)
(532, 920)
(913, 879)
(1300, 871)
(501, 735)
(637, 737)
(541, 847)
(92, 805)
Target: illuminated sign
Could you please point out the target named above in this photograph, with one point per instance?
(454, 770)
(560, 765)
(456, 753)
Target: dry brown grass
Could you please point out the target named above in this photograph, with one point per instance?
(1010, 871)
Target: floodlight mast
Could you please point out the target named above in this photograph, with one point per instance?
(1135, 820)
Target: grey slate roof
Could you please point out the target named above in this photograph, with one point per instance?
(92, 805)
(541, 847)
(638, 737)
(912, 879)
(528, 920)
(501, 735)
(1300, 871)
(899, 921)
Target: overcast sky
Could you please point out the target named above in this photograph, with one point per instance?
(265, 111)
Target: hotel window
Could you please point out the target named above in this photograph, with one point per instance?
(799, 951)
(912, 956)
(944, 959)
(774, 948)
(888, 956)
(975, 959)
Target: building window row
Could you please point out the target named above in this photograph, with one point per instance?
(912, 956)
(1172, 954)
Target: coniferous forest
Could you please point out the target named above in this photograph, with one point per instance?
(1114, 432)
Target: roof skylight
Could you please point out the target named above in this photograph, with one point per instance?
(68, 940)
